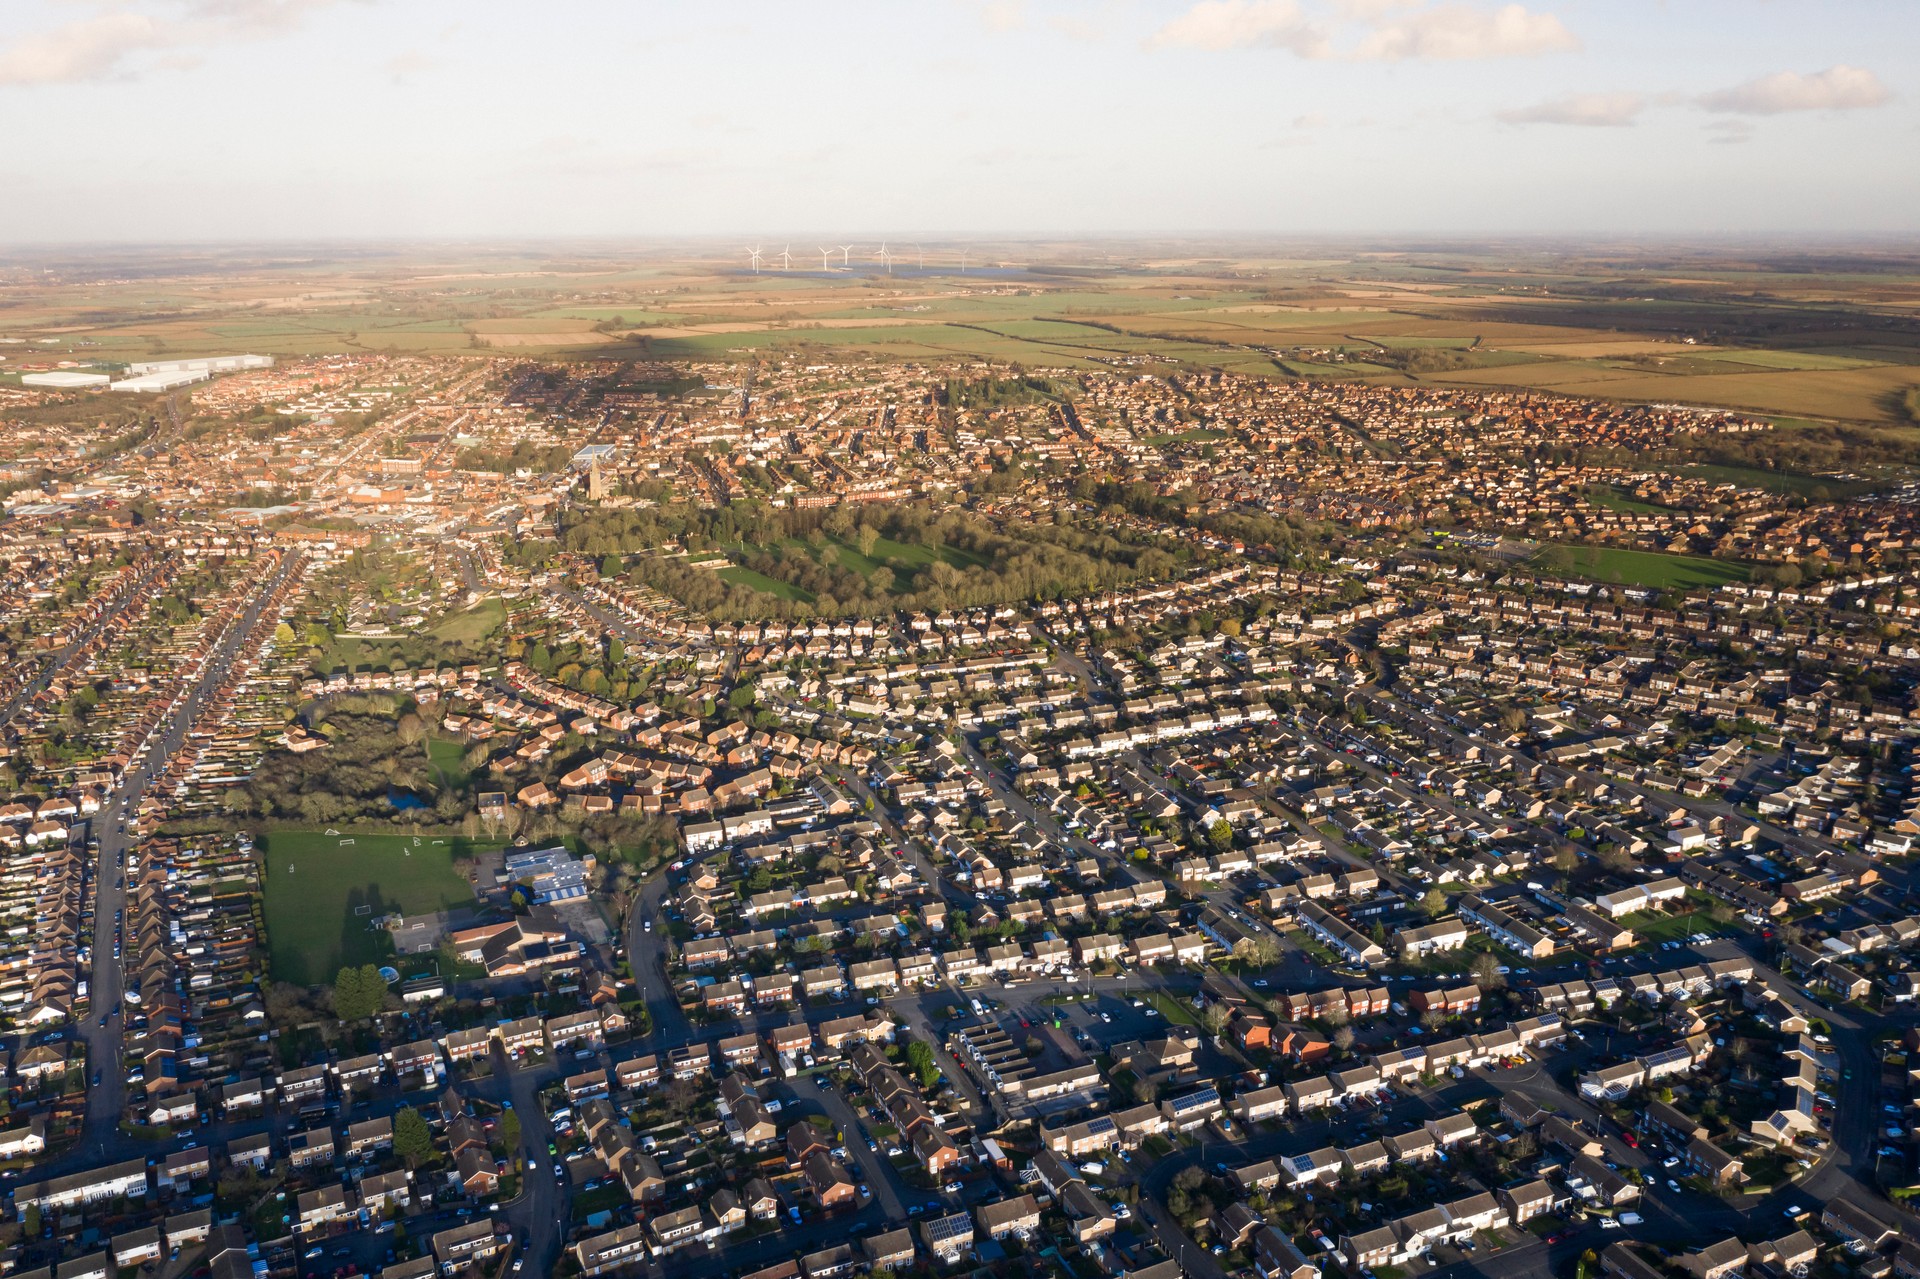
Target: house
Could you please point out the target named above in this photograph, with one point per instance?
(1017, 1216)
(949, 1238)
(827, 1181)
(835, 1261)
(1527, 1200)
(136, 1247)
(1261, 1104)
(1449, 1130)
(1715, 1261)
(803, 1141)
(1191, 1110)
(1621, 1261)
(457, 1248)
(891, 1249)
(1276, 1257)
(317, 1209)
(759, 1199)
(1449, 1000)
(599, 1254)
(478, 1175)
(1856, 1223)
(1708, 1159)
(672, 1230)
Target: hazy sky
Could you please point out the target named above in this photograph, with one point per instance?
(143, 120)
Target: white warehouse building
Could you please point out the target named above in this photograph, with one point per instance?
(205, 364)
(157, 382)
(65, 380)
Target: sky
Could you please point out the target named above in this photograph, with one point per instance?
(225, 121)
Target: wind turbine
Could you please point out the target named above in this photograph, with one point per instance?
(923, 256)
(786, 259)
(824, 255)
(844, 250)
(753, 255)
(963, 261)
(886, 258)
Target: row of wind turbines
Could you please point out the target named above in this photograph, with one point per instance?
(883, 258)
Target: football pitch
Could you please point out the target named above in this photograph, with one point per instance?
(325, 892)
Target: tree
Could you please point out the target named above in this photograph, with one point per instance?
(412, 1141)
(1213, 1019)
(1220, 835)
(1486, 973)
(1261, 951)
(510, 1128)
(358, 993)
(1434, 903)
(920, 1060)
(1343, 1038)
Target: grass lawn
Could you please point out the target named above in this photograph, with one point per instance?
(904, 559)
(1652, 569)
(1652, 926)
(321, 896)
(1172, 1009)
(1787, 482)
(1199, 435)
(740, 576)
(447, 756)
(473, 625)
(1607, 497)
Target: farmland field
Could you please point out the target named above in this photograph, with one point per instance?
(1825, 345)
(322, 895)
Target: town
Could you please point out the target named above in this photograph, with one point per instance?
(801, 817)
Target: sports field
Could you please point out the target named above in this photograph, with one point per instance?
(1650, 569)
(323, 893)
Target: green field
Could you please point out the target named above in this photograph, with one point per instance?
(1651, 569)
(1610, 498)
(740, 576)
(474, 625)
(448, 758)
(904, 559)
(1785, 482)
(321, 895)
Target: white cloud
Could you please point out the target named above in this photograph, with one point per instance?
(1455, 31)
(1004, 15)
(1592, 110)
(1838, 88)
(108, 44)
(1386, 30)
(89, 49)
(1244, 24)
